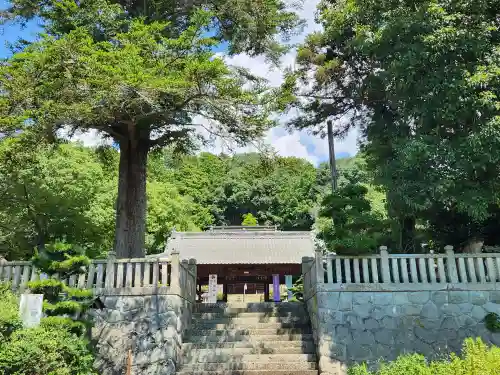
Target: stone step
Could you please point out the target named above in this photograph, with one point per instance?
(265, 365)
(275, 346)
(248, 332)
(201, 339)
(249, 307)
(252, 316)
(250, 372)
(245, 325)
(232, 352)
(197, 357)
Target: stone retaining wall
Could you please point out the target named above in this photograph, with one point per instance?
(352, 327)
(151, 326)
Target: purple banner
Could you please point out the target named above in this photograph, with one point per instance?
(276, 288)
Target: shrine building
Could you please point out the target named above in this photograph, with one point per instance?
(242, 256)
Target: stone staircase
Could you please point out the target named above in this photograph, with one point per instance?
(249, 339)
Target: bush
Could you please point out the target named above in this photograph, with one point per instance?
(9, 312)
(57, 347)
(41, 351)
(477, 359)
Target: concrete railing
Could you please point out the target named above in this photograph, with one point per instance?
(136, 276)
(400, 271)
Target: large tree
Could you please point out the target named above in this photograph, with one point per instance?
(422, 82)
(50, 193)
(145, 74)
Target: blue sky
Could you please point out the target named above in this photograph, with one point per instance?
(10, 33)
(299, 144)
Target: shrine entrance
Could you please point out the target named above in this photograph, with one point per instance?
(258, 279)
(263, 258)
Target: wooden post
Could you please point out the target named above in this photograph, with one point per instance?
(110, 270)
(175, 285)
(384, 257)
(129, 362)
(331, 154)
(451, 265)
(194, 269)
(224, 290)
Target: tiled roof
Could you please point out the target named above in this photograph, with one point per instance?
(241, 247)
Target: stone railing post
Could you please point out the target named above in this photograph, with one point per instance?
(384, 264)
(194, 269)
(175, 286)
(110, 270)
(320, 271)
(451, 266)
(307, 263)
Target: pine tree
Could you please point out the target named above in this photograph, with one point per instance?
(249, 220)
(63, 306)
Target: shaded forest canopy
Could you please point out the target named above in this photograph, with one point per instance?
(68, 192)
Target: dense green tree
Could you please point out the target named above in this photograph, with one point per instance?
(143, 74)
(356, 228)
(421, 80)
(68, 192)
(51, 193)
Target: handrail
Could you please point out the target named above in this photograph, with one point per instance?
(404, 270)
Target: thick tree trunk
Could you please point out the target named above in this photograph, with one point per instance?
(408, 234)
(131, 206)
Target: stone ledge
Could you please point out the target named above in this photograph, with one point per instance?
(137, 291)
(417, 287)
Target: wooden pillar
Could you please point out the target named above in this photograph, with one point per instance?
(198, 290)
(224, 290)
(266, 291)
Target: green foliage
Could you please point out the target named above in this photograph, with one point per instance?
(249, 220)
(298, 289)
(356, 228)
(61, 258)
(275, 190)
(62, 308)
(492, 322)
(45, 351)
(144, 76)
(477, 359)
(421, 83)
(61, 323)
(9, 312)
(56, 347)
(245, 26)
(50, 288)
(50, 193)
(60, 301)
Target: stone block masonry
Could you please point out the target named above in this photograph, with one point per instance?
(151, 325)
(379, 306)
(366, 326)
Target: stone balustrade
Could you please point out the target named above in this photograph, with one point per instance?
(364, 309)
(138, 276)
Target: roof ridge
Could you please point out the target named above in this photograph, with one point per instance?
(243, 233)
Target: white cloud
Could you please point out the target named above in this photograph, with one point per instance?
(89, 138)
(299, 144)
(291, 145)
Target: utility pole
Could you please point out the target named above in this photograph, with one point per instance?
(331, 151)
